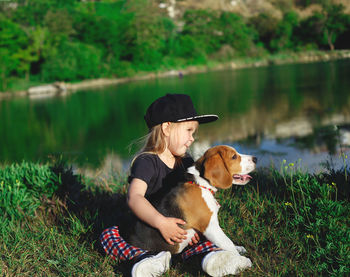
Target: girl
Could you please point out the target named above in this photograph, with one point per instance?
(172, 121)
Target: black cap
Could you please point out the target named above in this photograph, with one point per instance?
(174, 108)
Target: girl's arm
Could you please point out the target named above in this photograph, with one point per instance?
(143, 209)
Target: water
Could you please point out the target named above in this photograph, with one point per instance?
(298, 113)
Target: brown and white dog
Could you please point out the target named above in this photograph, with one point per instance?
(190, 196)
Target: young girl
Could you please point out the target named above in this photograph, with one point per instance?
(172, 121)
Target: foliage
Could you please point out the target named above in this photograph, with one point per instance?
(202, 31)
(335, 23)
(23, 186)
(265, 26)
(323, 28)
(73, 61)
(284, 35)
(93, 30)
(15, 56)
(118, 38)
(236, 33)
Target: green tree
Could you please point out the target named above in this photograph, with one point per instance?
(326, 26)
(6, 64)
(15, 50)
(59, 22)
(284, 36)
(335, 22)
(188, 47)
(106, 34)
(33, 12)
(204, 28)
(145, 35)
(265, 26)
(72, 61)
(236, 32)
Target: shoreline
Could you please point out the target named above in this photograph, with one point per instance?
(57, 88)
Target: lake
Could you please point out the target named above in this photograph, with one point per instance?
(299, 113)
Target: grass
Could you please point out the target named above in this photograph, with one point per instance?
(291, 222)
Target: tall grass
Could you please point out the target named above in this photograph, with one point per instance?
(292, 223)
(23, 186)
(39, 236)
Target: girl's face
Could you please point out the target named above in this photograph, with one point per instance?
(181, 137)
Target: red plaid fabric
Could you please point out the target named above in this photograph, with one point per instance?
(116, 247)
(199, 248)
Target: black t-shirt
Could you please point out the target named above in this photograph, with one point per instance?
(151, 169)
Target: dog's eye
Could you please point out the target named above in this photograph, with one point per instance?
(234, 157)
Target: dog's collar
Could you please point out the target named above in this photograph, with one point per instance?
(205, 187)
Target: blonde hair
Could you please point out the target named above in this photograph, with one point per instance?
(154, 142)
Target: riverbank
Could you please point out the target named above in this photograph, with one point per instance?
(53, 89)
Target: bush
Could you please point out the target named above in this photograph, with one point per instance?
(23, 186)
(284, 36)
(14, 54)
(72, 61)
(203, 27)
(187, 47)
(236, 32)
(265, 26)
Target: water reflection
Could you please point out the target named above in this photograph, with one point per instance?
(278, 112)
(329, 144)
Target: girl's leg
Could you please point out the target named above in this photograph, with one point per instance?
(143, 263)
(199, 248)
(116, 247)
(217, 262)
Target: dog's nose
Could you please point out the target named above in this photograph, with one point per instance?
(255, 160)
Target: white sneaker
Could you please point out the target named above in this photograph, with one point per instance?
(152, 266)
(221, 263)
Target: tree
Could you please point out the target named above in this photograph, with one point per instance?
(72, 61)
(326, 26)
(266, 26)
(236, 32)
(6, 64)
(285, 32)
(334, 23)
(104, 33)
(204, 28)
(15, 52)
(145, 36)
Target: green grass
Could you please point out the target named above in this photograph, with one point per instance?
(292, 223)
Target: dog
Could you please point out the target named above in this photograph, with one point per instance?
(190, 196)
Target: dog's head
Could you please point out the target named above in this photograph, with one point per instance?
(223, 166)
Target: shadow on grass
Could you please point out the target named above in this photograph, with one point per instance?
(96, 209)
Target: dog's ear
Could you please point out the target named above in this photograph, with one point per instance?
(215, 171)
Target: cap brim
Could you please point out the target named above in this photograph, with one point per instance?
(200, 118)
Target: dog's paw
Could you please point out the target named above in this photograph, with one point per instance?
(241, 250)
(244, 262)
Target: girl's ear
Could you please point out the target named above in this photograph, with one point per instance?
(166, 128)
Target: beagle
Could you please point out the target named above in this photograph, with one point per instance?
(190, 196)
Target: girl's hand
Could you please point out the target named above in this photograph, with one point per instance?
(171, 231)
(195, 239)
